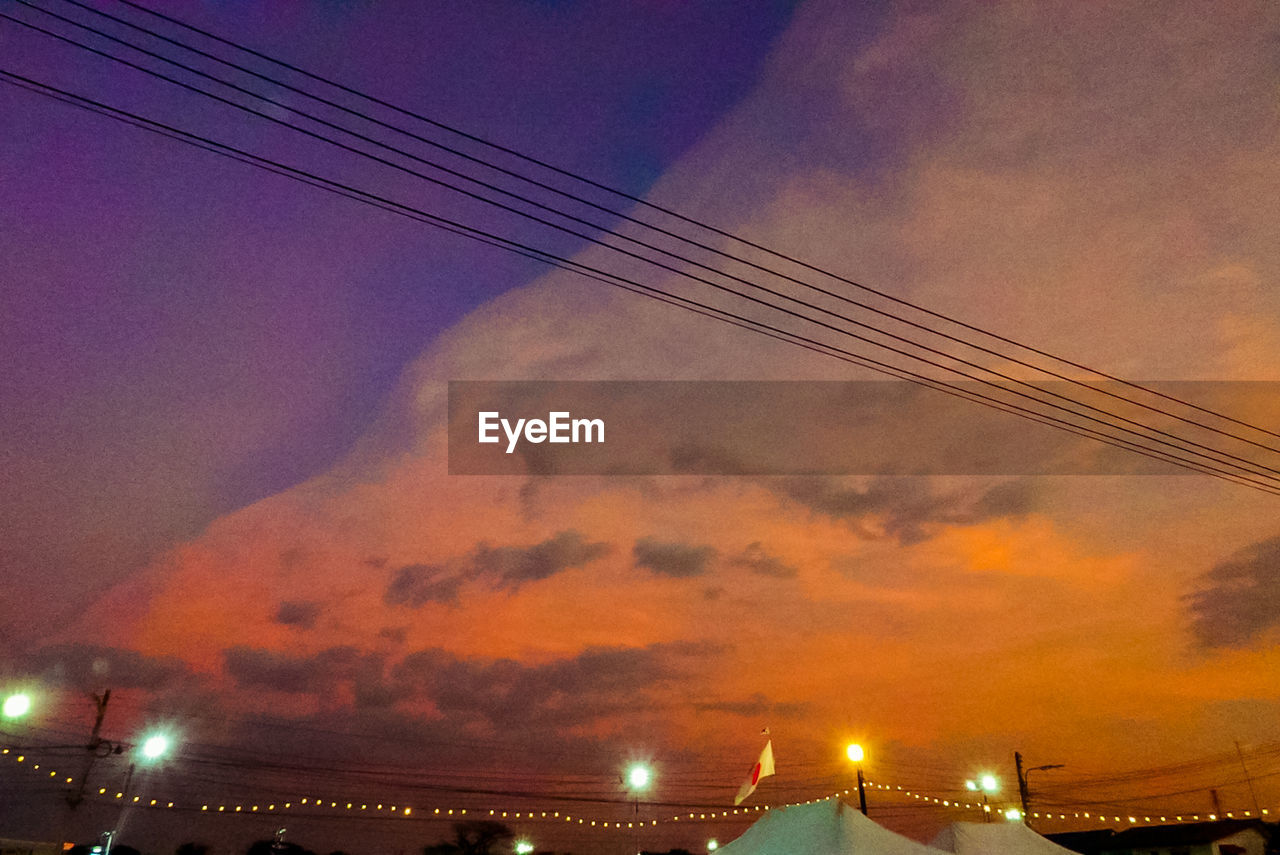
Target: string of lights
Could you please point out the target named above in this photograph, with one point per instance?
(324, 806)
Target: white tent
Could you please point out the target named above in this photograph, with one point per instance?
(1001, 838)
(827, 827)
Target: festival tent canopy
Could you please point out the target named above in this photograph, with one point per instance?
(1004, 838)
(827, 827)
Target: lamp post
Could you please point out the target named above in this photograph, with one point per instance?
(856, 755)
(985, 784)
(1024, 789)
(638, 779)
(153, 748)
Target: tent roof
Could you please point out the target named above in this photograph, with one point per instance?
(1005, 838)
(827, 827)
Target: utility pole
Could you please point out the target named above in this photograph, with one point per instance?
(95, 742)
(1023, 794)
(1252, 791)
(1217, 805)
(1024, 791)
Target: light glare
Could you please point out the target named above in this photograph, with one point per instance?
(854, 752)
(638, 777)
(155, 746)
(17, 705)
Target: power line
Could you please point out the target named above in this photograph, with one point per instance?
(653, 206)
(542, 185)
(1248, 466)
(647, 290)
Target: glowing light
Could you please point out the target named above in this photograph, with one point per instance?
(155, 746)
(638, 777)
(17, 705)
(712, 845)
(523, 847)
(989, 783)
(1013, 814)
(854, 752)
(971, 785)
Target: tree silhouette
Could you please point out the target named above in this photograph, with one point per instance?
(477, 837)
(270, 847)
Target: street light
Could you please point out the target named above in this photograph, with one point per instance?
(1024, 786)
(713, 845)
(638, 777)
(154, 747)
(855, 754)
(986, 784)
(16, 705)
(523, 847)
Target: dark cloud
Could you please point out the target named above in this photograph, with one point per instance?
(91, 667)
(756, 559)
(1239, 599)
(299, 613)
(345, 666)
(251, 667)
(506, 567)
(755, 705)
(504, 694)
(680, 560)
(904, 508)
(418, 584)
(512, 566)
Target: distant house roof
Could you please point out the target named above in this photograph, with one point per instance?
(1187, 834)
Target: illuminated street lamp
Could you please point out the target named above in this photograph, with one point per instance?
(523, 847)
(16, 705)
(638, 777)
(1024, 782)
(638, 780)
(1013, 814)
(713, 845)
(155, 746)
(856, 755)
(987, 785)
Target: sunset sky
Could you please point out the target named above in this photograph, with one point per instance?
(223, 407)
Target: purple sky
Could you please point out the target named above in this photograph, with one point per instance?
(184, 334)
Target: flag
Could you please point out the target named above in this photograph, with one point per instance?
(762, 769)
